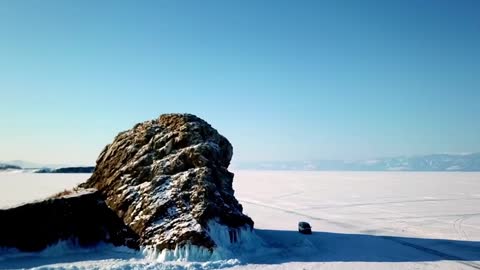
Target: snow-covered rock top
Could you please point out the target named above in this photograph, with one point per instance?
(167, 179)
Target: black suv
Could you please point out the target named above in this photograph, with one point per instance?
(304, 227)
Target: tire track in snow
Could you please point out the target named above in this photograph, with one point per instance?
(386, 202)
(458, 225)
(463, 229)
(433, 252)
(288, 195)
(257, 203)
(427, 250)
(435, 216)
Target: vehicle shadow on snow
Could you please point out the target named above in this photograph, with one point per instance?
(291, 246)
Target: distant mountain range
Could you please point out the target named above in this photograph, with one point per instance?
(25, 166)
(4, 167)
(436, 162)
(67, 170)
(31, 165)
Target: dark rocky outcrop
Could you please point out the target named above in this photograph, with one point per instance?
(67, 170)
(167, 179)
(4, 167)
(82, 217)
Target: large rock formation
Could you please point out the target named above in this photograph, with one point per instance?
(81, 217)
(163, 185)
(167, 179)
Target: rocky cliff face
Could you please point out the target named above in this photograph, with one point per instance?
(167, 179)
(82, 217)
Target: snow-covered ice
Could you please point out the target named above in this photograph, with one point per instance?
(361, 220)
(17, 188)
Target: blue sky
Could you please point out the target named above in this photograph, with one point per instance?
(283, 80)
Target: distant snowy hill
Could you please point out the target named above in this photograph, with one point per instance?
(67, 170)
(436, 162)
(5, 167)
(30, 167)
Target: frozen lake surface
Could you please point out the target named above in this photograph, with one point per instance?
(361, 220)
(18, 187)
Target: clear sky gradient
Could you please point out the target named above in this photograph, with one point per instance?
(283, 80)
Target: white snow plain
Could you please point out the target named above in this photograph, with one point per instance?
(360, 220)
